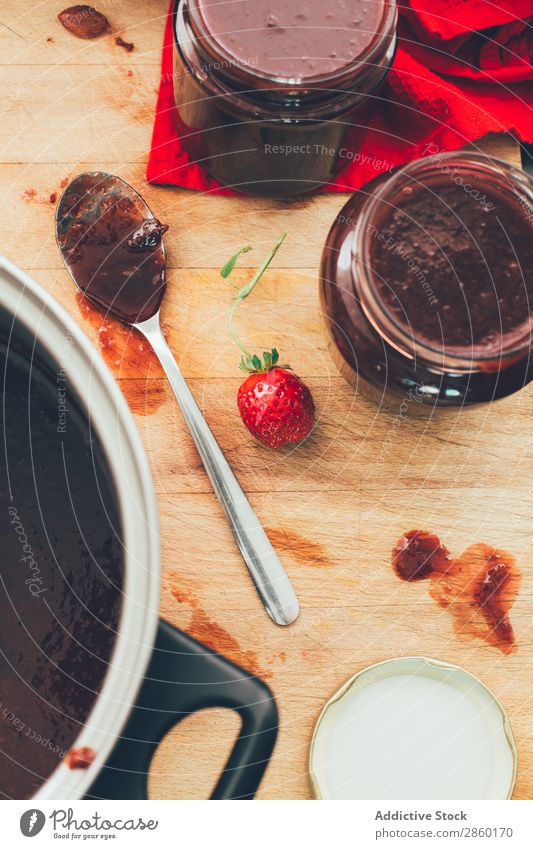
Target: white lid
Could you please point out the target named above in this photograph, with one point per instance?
(413, 728)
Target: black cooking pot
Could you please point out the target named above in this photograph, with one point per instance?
(148, 674)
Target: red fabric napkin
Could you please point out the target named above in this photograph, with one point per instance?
(463, 68)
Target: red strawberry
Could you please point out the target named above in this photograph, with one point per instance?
(275, 405)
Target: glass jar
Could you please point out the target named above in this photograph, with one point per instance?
(426, 282)
(269, 133)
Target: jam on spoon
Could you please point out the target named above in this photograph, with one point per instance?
(112, 246)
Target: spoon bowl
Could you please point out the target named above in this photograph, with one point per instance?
(100, 223)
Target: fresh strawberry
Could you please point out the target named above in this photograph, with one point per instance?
(275, 405)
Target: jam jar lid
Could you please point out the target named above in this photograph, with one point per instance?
(413, 728)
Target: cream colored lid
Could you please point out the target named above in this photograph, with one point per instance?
(413, 728)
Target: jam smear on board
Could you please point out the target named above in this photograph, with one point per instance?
(419, 554)
(479, 587)
(127, 45)
(130, 358)
(84, 21)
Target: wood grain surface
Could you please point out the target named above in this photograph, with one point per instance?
(332, 507)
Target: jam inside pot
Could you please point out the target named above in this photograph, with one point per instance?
(426, 284)
(62, 569)
(266, 92)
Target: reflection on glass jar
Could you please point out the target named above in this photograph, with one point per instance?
(266, 91)
(426, 281)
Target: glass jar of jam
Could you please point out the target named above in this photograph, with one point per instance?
(266, 91)
(426, 281)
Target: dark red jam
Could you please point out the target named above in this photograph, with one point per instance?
(426, 284)
(129, 356)
(267, 92)
(478, 588)
(114, 253)
(84, 21)
(468, 286)
(292, 40)
(418, 554)
(128, 46)
(80, 758)
(62, 568)
(491, 590)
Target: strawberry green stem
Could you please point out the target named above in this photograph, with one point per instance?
(244, 291)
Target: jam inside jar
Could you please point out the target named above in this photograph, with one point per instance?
(426, 281)
(266, 91)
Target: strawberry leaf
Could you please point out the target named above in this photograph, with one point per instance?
(226, 269)
(251, 363)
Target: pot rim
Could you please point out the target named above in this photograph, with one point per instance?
(107, 411)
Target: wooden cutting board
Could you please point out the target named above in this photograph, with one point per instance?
(331, 508)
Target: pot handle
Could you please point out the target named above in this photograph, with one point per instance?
(185, 676)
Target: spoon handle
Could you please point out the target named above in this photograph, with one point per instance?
(268, 575)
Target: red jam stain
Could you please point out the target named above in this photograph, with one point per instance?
(479, 587)
(129, 356)
(418, 554)
(29, 195)
(84, 21)
(304, 551)
(80, 758)
(202, 628)
(488, 580)
(127, 45)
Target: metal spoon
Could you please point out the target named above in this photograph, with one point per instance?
(112, 247)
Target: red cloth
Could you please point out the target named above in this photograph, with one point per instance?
(463, 68)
